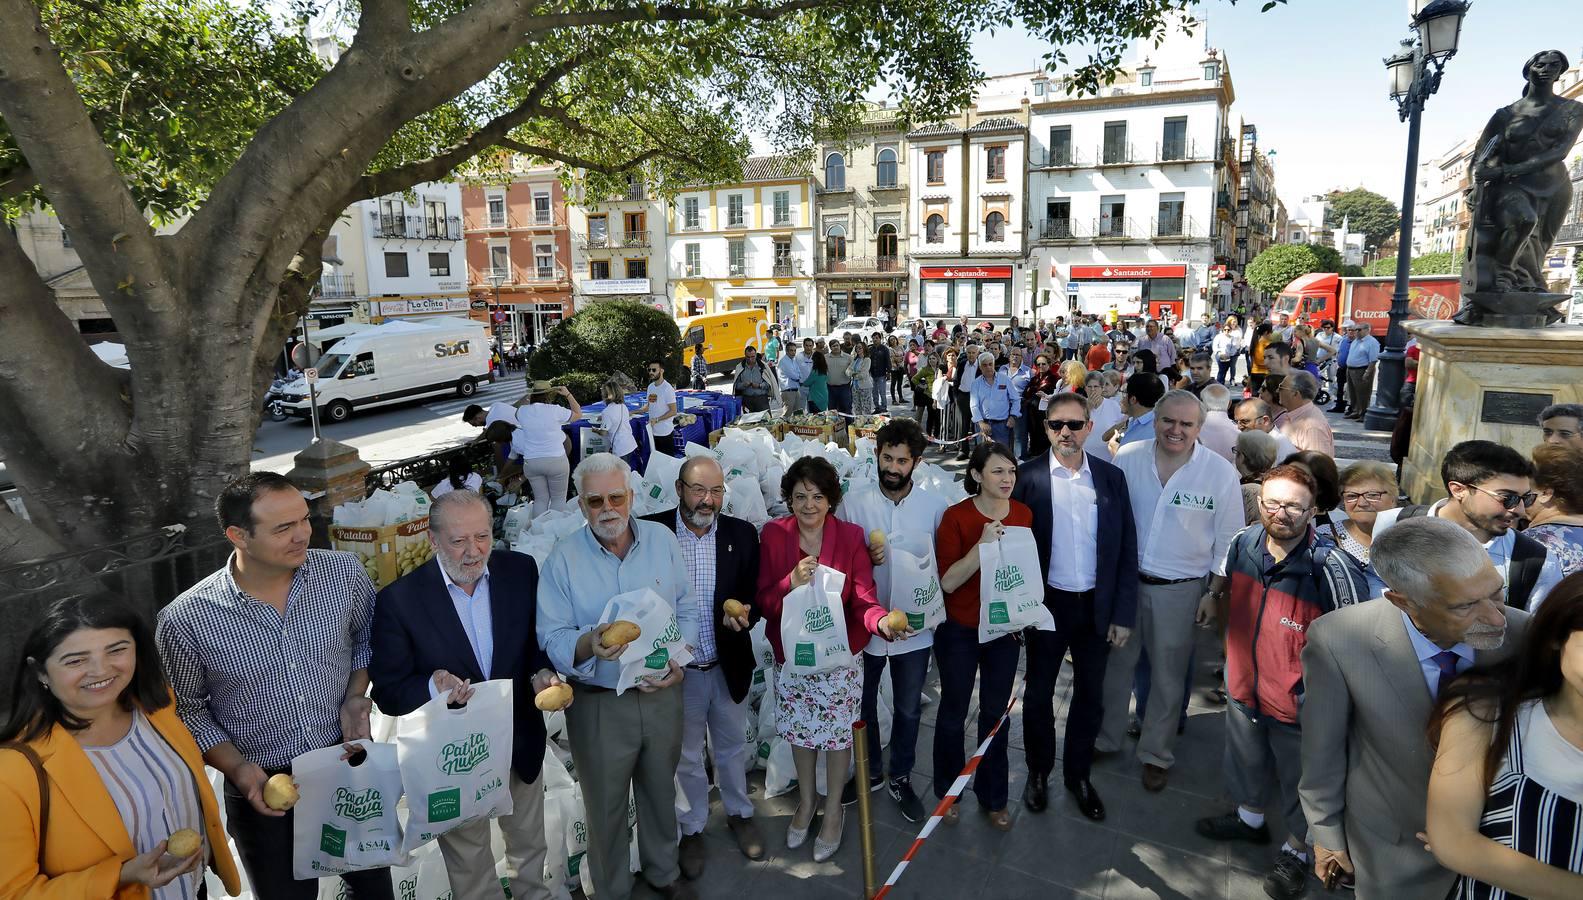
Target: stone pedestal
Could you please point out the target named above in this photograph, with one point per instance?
(329, 473)
(1485, 383)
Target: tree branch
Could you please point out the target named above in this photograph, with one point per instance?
(552, 22)
(384, 20)
(576, 161)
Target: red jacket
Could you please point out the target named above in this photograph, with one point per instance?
(844, 548)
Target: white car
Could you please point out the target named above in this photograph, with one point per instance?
(863, 327)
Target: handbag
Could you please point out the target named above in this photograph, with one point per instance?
(43, 793)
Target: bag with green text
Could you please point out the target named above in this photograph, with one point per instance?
(659, 640)
(456, 763)
(1011, 586)
(813, 625)
(346, 818)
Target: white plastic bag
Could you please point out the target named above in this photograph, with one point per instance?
(1011, 593)
(659, 480)
(456, 763)
(745, 501)
(914, 580)
(813, 625)
(346, 819)
(659, 643)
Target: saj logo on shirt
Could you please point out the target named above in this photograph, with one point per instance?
(1186, 500)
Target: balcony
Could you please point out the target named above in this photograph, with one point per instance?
(527, 276)
(635, 192)
(337, 285)
(860, 265)
(1577, 169)
(1570, 235)
(1119, 154)
(1062, 231)
(1177, 230)
(1183, 151)
(554, 218)
(1117, 229)
(1059, 157)
(890, 184)
(631, 239)
(786, 268)
(394, 225)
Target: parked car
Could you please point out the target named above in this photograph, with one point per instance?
(863, 327)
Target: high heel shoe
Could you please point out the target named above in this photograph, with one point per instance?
(822, 851)
(796, 837)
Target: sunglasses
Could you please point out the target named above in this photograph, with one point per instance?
(1508, 499)
(1072, 425)
(596, 502)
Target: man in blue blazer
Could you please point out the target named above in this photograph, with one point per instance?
(463, 617)
(1088, 546)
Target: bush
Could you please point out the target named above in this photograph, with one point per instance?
(608, 337)
(1280, 265)
(1423, 264)
(587, 387)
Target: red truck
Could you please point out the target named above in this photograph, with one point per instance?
(1318, 296)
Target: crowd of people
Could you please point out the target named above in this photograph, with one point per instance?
(1405, 682)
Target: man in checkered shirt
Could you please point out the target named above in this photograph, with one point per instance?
(268, 658)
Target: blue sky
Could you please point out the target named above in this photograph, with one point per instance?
(1310, 75)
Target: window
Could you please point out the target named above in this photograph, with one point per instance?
(782, 207)
(886, 176)
(935, 164)
(834, 173)
(693, 254)
(497, 210)
(1174, 145)
(544, 260)
(737, 258)
(1057, 223)
(392, 218)
(994, 228)
(690, 212)
(1115, 142)
(783, 257)
(362, 365)
(1170, 220)
(635, 229)
(434, 218)
(835, 248)
(439, 265)
(598, 231)
(1061, 145)
(735, 215)
(500, 262)
(1211, 71)
(599, 269)
(1038, 88)
(637, 268)
(395, 265)
(541, 208)
(934, 229)
(1145, 77)
(995, 163)
(1113, 216)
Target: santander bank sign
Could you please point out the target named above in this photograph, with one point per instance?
(1129, 273)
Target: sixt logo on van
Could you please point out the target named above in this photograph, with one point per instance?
(452, 348)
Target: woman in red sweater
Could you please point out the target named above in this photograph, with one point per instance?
(980, 519)
(816, 712)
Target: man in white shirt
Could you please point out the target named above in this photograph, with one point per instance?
(895, 506)
(1187, 505)
(792, 368)
(1254, 413)
(661, 409)
(1219, 432)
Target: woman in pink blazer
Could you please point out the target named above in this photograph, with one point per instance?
(815, 712)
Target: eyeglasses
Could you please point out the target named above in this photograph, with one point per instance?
(1292, 509)
(698, 490)
(1072, 425)
(616, 499)
(1351, 497)
(1509, 499)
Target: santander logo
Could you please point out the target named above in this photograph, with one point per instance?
(1107, 273)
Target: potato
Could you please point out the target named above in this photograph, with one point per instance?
(876, 538)
(183, 843)
(897, 620)
(619, 633)
(280, 792)
(735, 608)
(554, 697)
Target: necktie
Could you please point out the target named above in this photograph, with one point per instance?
(1447, 663)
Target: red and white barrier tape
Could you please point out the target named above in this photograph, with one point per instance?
(946, 802)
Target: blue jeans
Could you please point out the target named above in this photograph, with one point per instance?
(962, 660)
(907, 672)
(1001, 432)
(841, 398)
(1019, 435)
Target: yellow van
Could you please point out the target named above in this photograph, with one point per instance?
(723, 336)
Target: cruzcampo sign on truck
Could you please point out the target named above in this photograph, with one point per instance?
(1319, 296)
(456, 763)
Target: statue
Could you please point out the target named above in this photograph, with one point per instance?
(1520, 196)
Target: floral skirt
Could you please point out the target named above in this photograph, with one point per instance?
(817, 711)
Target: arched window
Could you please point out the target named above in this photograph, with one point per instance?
(886, 176)
(886, 248)
(834, 172)
(934, 229)
(995, 228)
(835, 247)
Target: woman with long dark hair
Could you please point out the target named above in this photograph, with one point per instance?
(1261, 336)
(818, 383)
(99, 773)
(1046, 383)
(1506, 793)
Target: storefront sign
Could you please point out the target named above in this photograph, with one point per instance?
(422, 306)
(480, 304)
(964, 272)
(1125, 297)
(1129, 272)
(616, 286)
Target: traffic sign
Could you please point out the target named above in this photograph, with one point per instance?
(311, 374)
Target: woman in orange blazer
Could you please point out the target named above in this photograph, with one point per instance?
(815, 712)
(121, 772)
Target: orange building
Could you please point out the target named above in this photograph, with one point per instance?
(519, 254)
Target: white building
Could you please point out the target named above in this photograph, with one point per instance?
(617, 248)
(1440, 202)
(415, 257)
(1305, 224)
(966, 236)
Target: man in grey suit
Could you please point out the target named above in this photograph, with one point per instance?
(1371, 673)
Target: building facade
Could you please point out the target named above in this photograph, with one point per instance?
(745, 245)
(415, 260)
(1441, 204)
(1255, 199)
(1130, 190)
(618, 248)
(861, 188)
(519, 253)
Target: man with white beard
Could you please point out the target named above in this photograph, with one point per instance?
(631, 741)
(463, 617)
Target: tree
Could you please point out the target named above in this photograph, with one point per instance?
(119, 115)
(1280, 265)
(1328, 257)
(1364, 211)
(1423, 264)
(604, 338)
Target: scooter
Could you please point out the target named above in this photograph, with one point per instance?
(274, 401)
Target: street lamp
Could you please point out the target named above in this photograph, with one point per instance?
(1414, 76)
(496, 279)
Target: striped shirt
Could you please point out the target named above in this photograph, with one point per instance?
(153, 791)
(272, 685)
(699, 552)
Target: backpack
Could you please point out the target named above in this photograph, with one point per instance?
(1522, 569)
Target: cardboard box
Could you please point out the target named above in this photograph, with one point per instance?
(387, 552)
(714, 436)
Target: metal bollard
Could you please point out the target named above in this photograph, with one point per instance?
(865, 819)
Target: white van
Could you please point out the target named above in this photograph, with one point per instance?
(395, 363)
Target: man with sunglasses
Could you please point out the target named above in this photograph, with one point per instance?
(628, 742)
(1490, 487)
(722, 554)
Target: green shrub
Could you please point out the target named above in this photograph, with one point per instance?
(587, 387)
(608, 337)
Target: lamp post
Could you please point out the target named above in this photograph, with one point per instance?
(496, 278)
(1415, 75)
